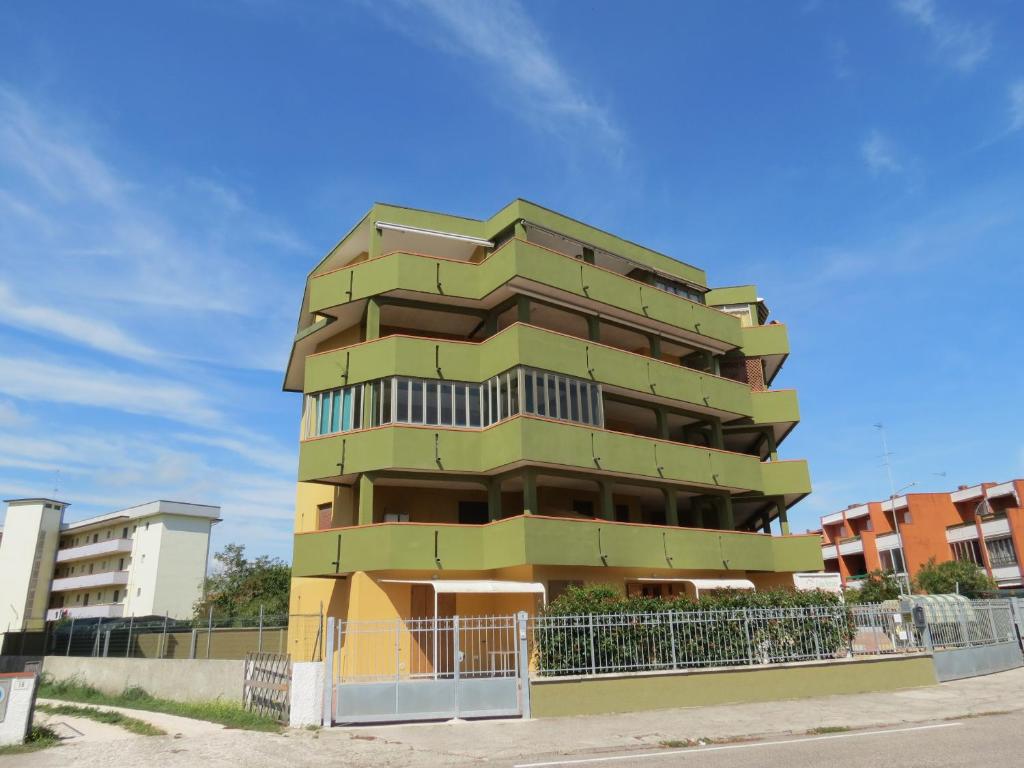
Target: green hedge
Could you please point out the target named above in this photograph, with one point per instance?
(725, 629)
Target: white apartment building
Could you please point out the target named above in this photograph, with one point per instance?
(142, 561)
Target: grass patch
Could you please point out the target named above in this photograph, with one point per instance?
(100, 716)
(828, 729)
(40, 737)
(225, 713)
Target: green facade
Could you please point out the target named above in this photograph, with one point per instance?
(682, 430)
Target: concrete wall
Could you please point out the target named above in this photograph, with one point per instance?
(555, 697)
(177, 679)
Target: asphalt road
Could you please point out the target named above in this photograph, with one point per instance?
(982, 742)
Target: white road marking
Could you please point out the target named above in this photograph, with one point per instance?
(752, 745)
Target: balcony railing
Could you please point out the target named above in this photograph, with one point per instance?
(97, 549)
(90, 580)
(539, 540)
(101, 611)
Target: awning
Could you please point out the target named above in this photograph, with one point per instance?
(477, 586)
(704, 584)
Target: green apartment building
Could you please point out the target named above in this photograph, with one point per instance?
(494, 410)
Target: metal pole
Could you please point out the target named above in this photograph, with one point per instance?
(128, 647)
(163, 638)
(524, 667)
(457, 660)
(96, 639)
(71, 632)
(259, 640)
(593, 656)
(327, 713)
(209, 632)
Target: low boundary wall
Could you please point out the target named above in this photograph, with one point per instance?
(176, 679)
(957, 663)
(638, 692)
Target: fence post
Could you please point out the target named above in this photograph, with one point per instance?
(259, 637)
(209, 632)
(163, 638)
(192, 643)
(963, 625)
(328, 714)
(106, 643)
(96, 639)
(593, 655)
(458, 661)
(672, 637)
(524, 667)
(128, 646)
(71, 632)
(746, 631)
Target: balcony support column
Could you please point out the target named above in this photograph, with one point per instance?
(726, 521)
(372, 323)
(523, 308)
(373, 250)
(662, 417)
(671, 507)
(717, 436)
(655, 342)
(520, 229)
(366, 499)
(593, 328)
(606, 509)
(767, 527)
(530, 492)
(773, 448)
(494, 500)
(780, 505)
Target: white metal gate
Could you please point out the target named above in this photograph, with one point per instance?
(426, 669)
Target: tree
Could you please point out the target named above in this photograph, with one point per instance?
(239, 586)
(878, 586)
(951, 576)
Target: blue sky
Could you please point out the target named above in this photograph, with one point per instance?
(169, 174)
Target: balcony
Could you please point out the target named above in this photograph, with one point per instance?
(829, 552)
(852, 546)
(965, 532)
(1006, 575)
(520, 344)
(537, 540)
(89, 581)
(538, 442)
(999, 526)
(97, 549)
(542, 271)
(102, 611)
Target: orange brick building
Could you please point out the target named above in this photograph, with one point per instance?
(982, 523)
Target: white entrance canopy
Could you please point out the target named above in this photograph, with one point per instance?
(705, 585)
(477, 586)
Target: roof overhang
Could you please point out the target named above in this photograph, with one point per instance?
(476, 586)
(703, 584)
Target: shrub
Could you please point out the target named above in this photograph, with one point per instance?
(877, 587)
(726, 628)
(951, 576)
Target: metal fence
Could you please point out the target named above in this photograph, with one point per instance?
(966, 625)
(633, 642)
(461, 646)
(166, 638)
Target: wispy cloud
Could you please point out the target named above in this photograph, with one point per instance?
(501, 35)
(960, 44)
(880, 154)
(64, 382)
(1017, 105)
(121, 251)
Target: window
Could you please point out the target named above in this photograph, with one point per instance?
(621, 513)
(968, 551)
(95, 538)
(679, 289)
(334, 410)
(892, 560)
(138, 591)
(324, 516)
(1001, 552)
(124, 532)
(473, 513)
(117, 595)
(120, 564)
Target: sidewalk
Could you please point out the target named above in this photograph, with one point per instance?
(507, 742)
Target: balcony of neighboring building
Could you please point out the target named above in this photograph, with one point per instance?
(92, 550)
(101, 611)
(851, 545)
(89, 581)
(829, 552)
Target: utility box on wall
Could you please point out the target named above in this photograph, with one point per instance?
(17, 700)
